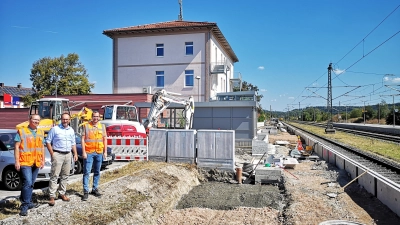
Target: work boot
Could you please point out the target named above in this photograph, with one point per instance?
(23, 212)
(96, 193)
(33, 205)
(85, 196)
(64, 198)
(52, 201)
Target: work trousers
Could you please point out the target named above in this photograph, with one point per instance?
(28, 175)
(60, 167)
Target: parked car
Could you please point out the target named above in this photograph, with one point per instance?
(79, 164)
(10, 177)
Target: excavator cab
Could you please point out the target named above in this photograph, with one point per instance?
(49, 110)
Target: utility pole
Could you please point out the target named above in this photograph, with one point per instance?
(300, 112)
(364, 111)
(329, 126)
(379, 113)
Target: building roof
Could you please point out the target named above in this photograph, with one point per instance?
(175, 26)
(15, 91)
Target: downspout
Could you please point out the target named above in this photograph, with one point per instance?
(207, 83)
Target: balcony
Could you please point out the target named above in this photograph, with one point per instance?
(219, 67)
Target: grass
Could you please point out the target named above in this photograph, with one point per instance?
(111, 211)
(386, 149)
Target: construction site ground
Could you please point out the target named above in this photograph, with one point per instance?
(164, 193)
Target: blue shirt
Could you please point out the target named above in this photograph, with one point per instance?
(61, 138)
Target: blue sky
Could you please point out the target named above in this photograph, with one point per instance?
(284, 47)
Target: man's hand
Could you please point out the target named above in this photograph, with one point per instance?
(75, 157)
(42, 165)
(17, 166)
(105, 155)
(84, 155)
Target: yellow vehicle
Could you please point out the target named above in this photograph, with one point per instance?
(49, 110)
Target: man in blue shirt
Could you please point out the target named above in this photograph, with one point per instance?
(60, 141)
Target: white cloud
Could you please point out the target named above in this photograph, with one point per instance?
(396, 80)
(261, 67)
(290, 97)
(338, 71)
(263, 90)
(273, 100)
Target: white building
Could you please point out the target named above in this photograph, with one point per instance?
(190, 58)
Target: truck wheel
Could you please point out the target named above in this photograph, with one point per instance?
(12, 180)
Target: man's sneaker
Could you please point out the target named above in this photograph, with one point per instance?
(33, 205)
(85, 196)
(52, 201)
(24, 212)
(96, 193)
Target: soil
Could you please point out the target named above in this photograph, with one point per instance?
(162, 193)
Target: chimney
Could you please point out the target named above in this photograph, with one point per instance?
(19, 85)
(1, 84)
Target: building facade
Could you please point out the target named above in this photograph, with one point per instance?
(189, 58)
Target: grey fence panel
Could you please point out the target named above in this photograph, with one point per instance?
(181, 146)
(216, 149)
(158, 145)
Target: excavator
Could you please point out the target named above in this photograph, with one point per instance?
(120, 120)
(161, 100)
(49, 110)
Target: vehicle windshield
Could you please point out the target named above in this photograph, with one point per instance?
(126, 113)
(8, 140)
(51, 109)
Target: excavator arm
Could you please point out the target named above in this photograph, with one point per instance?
(161, 100)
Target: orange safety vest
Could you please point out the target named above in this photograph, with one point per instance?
(30, 148)
(94, 138)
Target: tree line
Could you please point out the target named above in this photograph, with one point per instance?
(381, 113)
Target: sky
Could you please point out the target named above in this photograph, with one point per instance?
(284, 47)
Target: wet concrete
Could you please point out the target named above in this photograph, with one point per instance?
(226, 196)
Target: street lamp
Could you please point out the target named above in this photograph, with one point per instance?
(198, 88)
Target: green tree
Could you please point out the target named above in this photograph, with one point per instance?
(355, 113)
(250, 87)
(67, 73)
(389, 118)
(370, 113)
(383, 110)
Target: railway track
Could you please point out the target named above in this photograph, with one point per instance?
(378, 136)
(386, 168)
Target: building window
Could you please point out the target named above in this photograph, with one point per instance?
(189, 78)
(160, 78)
(189, 48)
(160, 49)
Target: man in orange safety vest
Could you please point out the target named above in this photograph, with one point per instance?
(29, 158)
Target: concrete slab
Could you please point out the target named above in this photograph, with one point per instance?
(268, 174)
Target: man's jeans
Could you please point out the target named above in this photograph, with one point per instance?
(95, 160)
(29, 175)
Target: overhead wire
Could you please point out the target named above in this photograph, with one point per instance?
(368, 34)
(364, 55)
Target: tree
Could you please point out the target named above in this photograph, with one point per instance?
(250, 87)
(383, 110)
(355, 113)
(370, 113)
(389, 118)
(64, 75)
